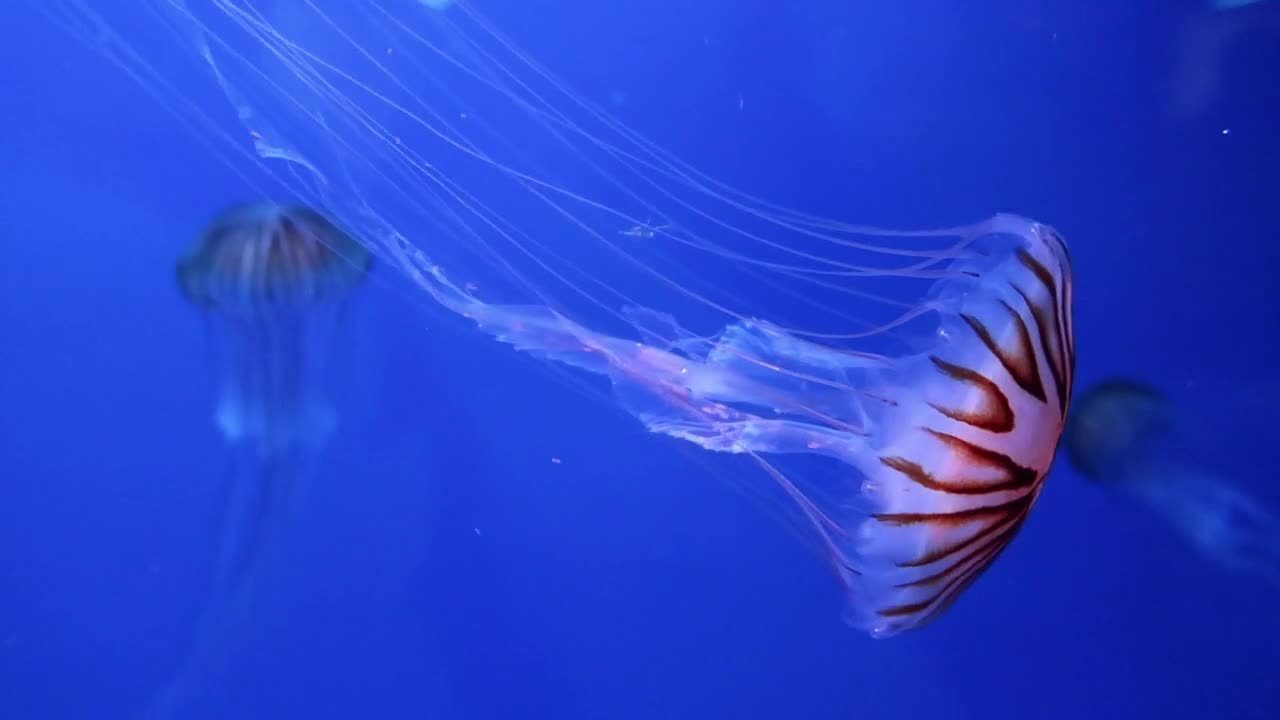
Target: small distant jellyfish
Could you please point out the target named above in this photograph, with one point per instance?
(272, 281)
(1128, 437)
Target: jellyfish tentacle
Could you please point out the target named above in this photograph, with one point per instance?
(1253, 547)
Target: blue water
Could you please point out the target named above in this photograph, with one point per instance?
(445, 567)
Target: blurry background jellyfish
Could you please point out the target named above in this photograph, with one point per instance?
(1130, 438)
(272, 282)
(1213, 43)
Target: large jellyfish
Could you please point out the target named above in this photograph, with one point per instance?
(907, 390)
(272, 281)
(1130, 438)
(950, 445)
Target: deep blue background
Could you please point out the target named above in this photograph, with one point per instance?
(445, 567)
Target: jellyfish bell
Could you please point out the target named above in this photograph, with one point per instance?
(273, 281)
(933, 368)
(1113, 423)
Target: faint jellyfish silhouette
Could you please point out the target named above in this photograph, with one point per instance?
(272, 282)
(1128, 437)
(1206, 41)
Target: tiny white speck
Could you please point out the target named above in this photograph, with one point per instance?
(477, 531)
(1226, 131)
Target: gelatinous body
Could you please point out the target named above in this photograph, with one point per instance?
(946, 449)
(272, 281)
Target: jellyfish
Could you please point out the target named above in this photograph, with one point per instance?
(272, 281)
(905, 390)
(950, 445)
(1128, 437)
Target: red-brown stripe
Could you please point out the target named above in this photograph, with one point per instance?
(1010, 475)
(992, 413)
(1020, 362)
